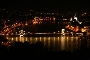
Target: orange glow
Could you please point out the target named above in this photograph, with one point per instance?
(83, 30)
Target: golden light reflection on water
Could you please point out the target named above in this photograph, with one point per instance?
(16, 39)
(26, 39)
(48, 42)
(62, 42)
(67, 43)
(40, 38)
(58, 38)
(36, 39)
(22, 39)
(44, 41)
(77, 42)
(12, 38)
(72, 43)
(31, 40)
(56, 43)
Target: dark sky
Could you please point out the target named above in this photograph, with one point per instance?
(27, 4)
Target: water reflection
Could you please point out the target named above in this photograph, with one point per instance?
(26, 39)
(16, 39)
(44, 41)
(31, 40)
(62, 42)
(12, 38)
(54, 43)
(40, 38)
(22, 39)
(48, 42)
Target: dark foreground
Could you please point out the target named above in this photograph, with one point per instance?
(26, 51)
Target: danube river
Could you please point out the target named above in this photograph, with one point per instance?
(52, 42)
(57, 43)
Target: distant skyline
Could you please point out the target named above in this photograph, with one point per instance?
(25, 4)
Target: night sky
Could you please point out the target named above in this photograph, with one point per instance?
(25, 4)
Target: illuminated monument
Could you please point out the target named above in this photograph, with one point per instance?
(21, 33)
(75, 19)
